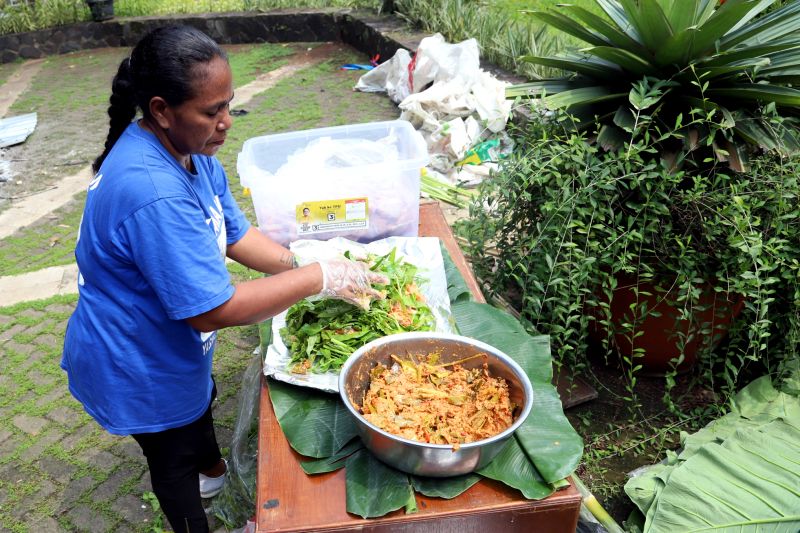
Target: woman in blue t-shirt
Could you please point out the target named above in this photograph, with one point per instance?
(158, 224)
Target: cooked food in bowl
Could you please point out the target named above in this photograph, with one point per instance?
(420, 400)
(431, 459)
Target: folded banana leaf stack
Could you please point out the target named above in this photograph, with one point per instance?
(740, 473)
(544, 451)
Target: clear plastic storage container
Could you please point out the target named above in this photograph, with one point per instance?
(359, 182)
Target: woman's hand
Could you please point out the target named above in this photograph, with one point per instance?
(351, 281)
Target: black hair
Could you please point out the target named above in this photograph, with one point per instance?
(160, 65)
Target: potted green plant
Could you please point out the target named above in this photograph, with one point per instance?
(664, 178)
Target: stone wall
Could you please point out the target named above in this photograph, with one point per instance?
(276, 26)
(364, 30)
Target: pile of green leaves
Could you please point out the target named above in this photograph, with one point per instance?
(326, 332)
(733, 60)
(739, 473)
(570, 221)
(543, 451)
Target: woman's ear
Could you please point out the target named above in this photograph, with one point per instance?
(161, 112)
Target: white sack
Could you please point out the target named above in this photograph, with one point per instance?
(391, 77)
(447, 97)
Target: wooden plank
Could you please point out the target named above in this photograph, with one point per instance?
(572, 389)
(288, 500)
(433, 224)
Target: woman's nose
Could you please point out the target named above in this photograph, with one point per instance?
(226, 122)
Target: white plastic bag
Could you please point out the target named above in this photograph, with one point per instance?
(391, 77)
(445, 95)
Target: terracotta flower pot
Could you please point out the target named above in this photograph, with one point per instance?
(660, 339)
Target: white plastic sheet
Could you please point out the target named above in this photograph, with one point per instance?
(445, 94)
(424, 252)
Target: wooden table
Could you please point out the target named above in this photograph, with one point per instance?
(288, 500)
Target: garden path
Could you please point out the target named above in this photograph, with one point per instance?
(17, 83)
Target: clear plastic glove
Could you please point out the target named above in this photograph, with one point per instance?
(351, 281)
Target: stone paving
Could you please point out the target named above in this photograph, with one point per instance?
(59, 470)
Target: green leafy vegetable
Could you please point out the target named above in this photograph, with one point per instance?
(321, 335)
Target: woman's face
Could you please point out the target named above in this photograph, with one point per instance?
(199, 125)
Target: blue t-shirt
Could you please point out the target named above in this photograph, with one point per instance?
(151, 252)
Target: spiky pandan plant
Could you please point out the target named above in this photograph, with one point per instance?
(721, 59)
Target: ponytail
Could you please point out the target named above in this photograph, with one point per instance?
(160, 65)
(121, 111)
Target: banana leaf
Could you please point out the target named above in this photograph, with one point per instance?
(643, 490)
(332, 463)
(316, 423)
(546, 436)
(456, 285)
(757, 404)
(446, 488)
(790, 377)
(373, 488)
(737, 448)
(513, 468)
(748, 483)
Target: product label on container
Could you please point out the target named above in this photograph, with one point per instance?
(332, 215)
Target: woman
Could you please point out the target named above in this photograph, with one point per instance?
(158, 223)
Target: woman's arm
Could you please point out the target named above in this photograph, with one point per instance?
(257, 251)
(259, 299)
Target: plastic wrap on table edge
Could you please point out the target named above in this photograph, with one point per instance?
(427, 254)
(236, 503)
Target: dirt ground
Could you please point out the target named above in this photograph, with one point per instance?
(621, 435)
(70, 95)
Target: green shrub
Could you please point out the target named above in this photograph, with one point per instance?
(725, 59)
(566, 218)
(40, 14)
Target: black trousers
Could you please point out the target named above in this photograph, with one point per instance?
(176, 457)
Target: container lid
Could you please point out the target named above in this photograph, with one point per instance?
(262, 158)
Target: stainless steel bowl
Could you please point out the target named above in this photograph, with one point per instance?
(420, 458)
